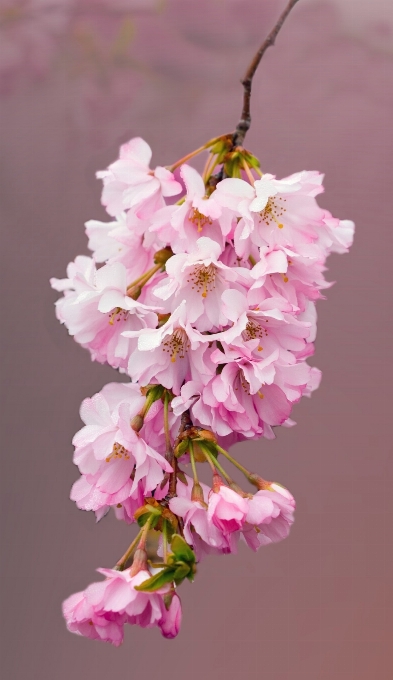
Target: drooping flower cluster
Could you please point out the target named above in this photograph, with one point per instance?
(201, 290)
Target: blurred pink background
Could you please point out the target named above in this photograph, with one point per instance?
(77, 78)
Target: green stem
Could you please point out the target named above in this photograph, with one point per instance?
(234, 462)
(216, 464)
(144, 278)
(193, 465)
(165, 541)
(166, 423)
(186, 158)
(248, 172)
(145, 531)
(120, 565)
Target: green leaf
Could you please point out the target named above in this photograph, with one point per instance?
(182, 550)
(157, 581)
(182, 570)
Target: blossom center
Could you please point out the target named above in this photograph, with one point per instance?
(118, 312)
(254, 330)
(273, 210)
(200, 220)
(203, 279)
(177, 344)
(118, 452)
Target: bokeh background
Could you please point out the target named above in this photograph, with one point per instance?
(77, 79)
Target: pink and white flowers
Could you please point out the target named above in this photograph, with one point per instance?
(100, 611)
(207, 305)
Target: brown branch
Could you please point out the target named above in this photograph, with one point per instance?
(245, 120)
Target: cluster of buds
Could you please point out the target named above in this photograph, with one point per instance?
(201, 291)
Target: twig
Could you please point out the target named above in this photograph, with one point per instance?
(245, 120)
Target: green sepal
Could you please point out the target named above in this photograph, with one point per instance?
(252, 161)
(182, 477)
(182, 550)
(157, 581)
(181, 447)
(148, 512)
(155, 392)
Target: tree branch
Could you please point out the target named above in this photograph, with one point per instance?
(245, 120)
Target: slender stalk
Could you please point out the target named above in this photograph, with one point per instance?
(248, 172)
(145, 531)
(165, 541)
(245, 120)
(207, 164)
(166, 424)
(120, 565)
(144, 278)
(197, 151)
(209, 460)
(193, 465)
(210, 168)
(234, 462)
(216, 464)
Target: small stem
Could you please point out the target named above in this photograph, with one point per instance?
(197, 151)
(120, 565)
(165, 541)
(166, 424)
(209, 460)
(169, 449)
(193, 465)
(248, 172)
(234, 462)
(145, 531)
(142, 280)
(245, 120)
(216, 464)
(210, 168)
(205, 169)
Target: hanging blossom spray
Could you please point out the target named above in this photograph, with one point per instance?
(206, 303)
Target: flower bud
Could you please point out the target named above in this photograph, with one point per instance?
(217, 482)
(139, 562)
(238, 489)
(134, 292)
(259, 482)
(162, 256)
(137, 422)
(197, 493)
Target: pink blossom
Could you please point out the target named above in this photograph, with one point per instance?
(282, 212)
(197, 520)
(107, 449)
(199, 530)
(121, 241)
(83, 619)
(104, 607)
(227, 510)
(270, 516)
(129, 182)
(200, 279)
(271, 322)
(96, 309)
(171, 618)
(182, 225)
(170, 354)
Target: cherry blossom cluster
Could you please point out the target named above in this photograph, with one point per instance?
(201, 291)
